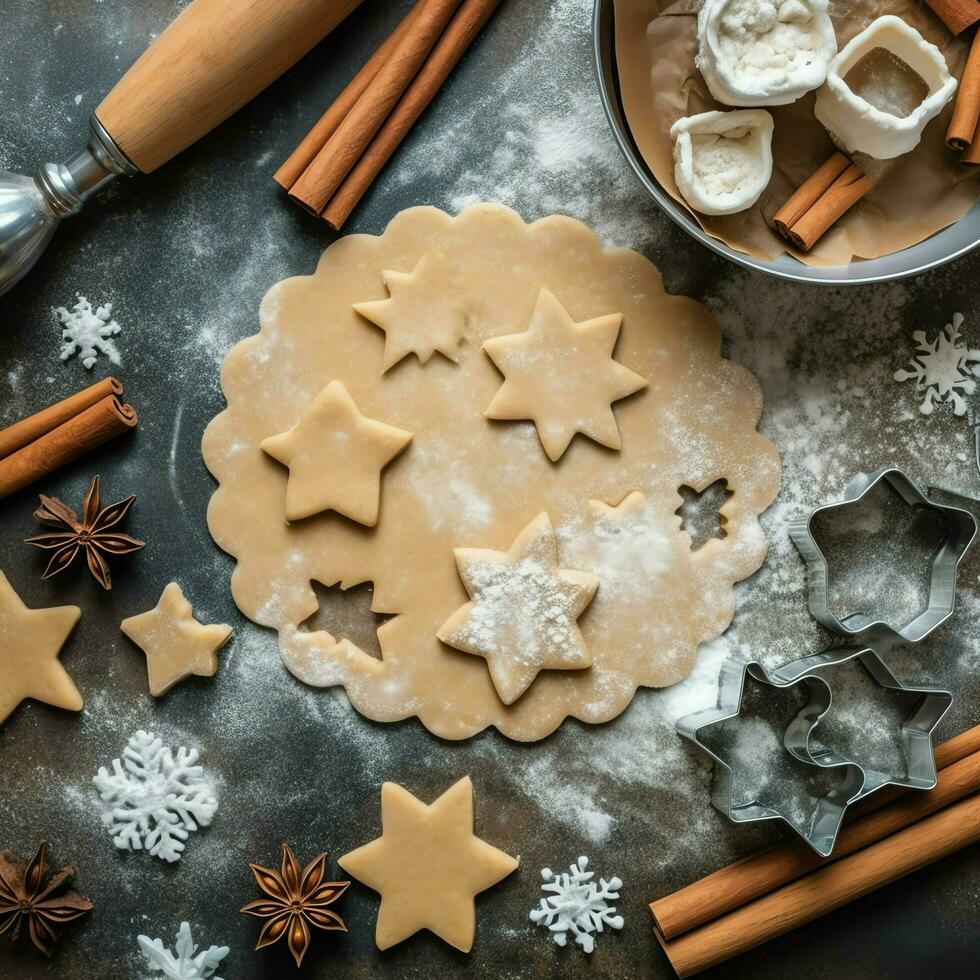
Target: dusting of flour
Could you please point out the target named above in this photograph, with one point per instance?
(544, 144)
(524, 601)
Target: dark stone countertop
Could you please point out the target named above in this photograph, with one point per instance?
(185, 255)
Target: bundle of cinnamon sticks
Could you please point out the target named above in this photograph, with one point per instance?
(767, 894)
(44, 442)
(334, 165)
(833, 188)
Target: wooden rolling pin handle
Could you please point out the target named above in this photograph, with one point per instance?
(213, 58)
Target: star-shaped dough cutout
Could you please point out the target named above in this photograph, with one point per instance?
(524, 610)
(423, 314)
(562, 375)
(175, 643)
(30, 641)
(428, 866)
(631, 504)
(335, 457)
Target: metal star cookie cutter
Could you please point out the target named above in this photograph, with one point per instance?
(961, 529)
(829, 810)
(856, 781)
(917, 729)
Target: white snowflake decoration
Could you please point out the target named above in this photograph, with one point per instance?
(577, 905)
(153, 800)
(182, 964)
(942, 369)
(87, 332)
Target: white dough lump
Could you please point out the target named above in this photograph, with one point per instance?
(723, 160)
(756, 52)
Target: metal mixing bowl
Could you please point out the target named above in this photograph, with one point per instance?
(942, 247)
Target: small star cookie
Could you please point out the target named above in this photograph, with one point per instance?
(30, 641)
(562, 375)
(428, 865)
(335, 457)
(522, 617)
(175, 643)
(422, 314)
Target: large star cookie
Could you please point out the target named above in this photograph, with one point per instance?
(428, 865)
(30, 641)
(524, 608)
(175, 643)
(423, 313)
(335, 457)
(561, 374)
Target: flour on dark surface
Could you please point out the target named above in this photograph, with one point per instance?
(187, 254)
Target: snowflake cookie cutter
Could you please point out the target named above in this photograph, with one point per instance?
(960, 531)
(856, 781)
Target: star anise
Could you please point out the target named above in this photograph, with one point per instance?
(26, 896)
(90, 533)
(297, 900)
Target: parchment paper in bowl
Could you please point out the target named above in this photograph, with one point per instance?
(915, 196)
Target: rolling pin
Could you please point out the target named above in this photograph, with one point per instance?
(216, 56)
(212, 59)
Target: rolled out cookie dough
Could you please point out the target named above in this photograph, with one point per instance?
(467, 481)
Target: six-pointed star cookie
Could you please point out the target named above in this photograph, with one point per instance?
(423, 313)
(30, 641)
(524, 608)
(175, 643)
(428, 865)
(561, 374)
(335, 457)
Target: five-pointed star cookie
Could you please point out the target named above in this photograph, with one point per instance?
(522, 617)
(335, 457)
(428, 865)
(175, 643)
(562, 375)
(30, 641)
(422, 314)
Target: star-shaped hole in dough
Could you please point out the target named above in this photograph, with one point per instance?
(175, 643)
(30, 641)
(524, 610)
(335, 457)
(428, 866)
(562, 375)
(423, 313)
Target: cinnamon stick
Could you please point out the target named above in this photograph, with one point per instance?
(971, 155)
(79, 434)
(834, 187)
(826, 889)
(313, 142)
(966, 109)
(810, 191)
(317, 184)
(458, 36)
(23, 433)
(957, 15)
(761, 873)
